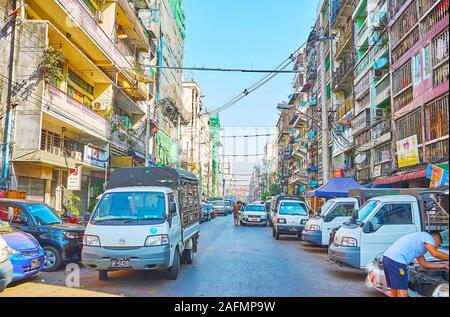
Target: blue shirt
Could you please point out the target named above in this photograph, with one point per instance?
(406, 249)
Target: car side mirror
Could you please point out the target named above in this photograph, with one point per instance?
(87, 216)
(368, 227)
(172, 209)
(22, 219)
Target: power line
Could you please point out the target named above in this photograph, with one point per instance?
(247, 136)
(241, 70)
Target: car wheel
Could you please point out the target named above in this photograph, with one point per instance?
(103, 275)
(188, 256)
(52, 260)
(172, 272)
(299, 236)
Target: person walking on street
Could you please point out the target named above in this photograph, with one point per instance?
(403, 252)
(236, 214)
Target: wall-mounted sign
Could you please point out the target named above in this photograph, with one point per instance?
(407, 151)
(74, 179)
(377, 171)
(437, 176)
(94, 156)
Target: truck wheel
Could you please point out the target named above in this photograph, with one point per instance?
(102, 275)
(52, 260)
(188, 256)
(172, 272)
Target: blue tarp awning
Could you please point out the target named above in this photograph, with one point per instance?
(336, 187)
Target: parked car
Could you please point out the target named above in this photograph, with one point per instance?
(25, 252)
(229, 206)
(383, 220)
(148, 219)
(254, 214)
(220, 208)
(421, 283)
(333, 213)
(289, 216)
(205, 215)
(211, 211)
(62, 242)
(6, 267)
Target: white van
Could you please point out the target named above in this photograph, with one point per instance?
(333, 214)
(380, 222)
(289, 216)
(140, 226)
(254, 214)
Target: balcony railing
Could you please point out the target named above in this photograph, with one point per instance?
(438, 151)
(343, 72)
(67, 109)
(381, 129)
(359, 34)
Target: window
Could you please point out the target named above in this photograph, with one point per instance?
(392, 214)
(416, 69)
(6, 209)
(342, 210)
(427, 61)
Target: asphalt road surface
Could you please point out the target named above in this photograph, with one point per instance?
(233, 262)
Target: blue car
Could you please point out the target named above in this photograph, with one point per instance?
(25, 253)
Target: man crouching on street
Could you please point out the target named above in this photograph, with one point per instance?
(403, 252)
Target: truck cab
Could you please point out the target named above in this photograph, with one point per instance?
(333, 214)
(289, 216)
(148, 219)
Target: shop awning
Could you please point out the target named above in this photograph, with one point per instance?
(336, 187)
(401, 178)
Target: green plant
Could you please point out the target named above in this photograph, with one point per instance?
(52, 64)
(72, 205)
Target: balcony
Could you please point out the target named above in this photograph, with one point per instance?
(342, 9)
(345, 109)
(343, 74)
(344, 43)
(382, 92)
(361, 121)
(362, 87)
(361, 35)
(381, 131)
(59, 105)
(130, 22)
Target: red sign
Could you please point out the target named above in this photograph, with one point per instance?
(338, 173)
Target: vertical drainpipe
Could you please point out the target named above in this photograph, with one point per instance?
(325, 172)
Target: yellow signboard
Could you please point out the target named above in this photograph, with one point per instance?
(407, 151)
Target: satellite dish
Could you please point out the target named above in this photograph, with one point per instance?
(360, 158)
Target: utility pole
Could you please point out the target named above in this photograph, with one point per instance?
(323, 87)
(8, 116)
(200, 163)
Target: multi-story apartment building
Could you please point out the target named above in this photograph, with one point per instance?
(82, 88)
(419, 50)
(342, 89)
(284, 150)
(371, 129)
(195, 141)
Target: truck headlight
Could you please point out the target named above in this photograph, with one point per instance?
(349, 242)
(314, 228)
(91, 241)
(4, 255)
(441, 291)
(157, 240)
(281, 220)
(304, 221)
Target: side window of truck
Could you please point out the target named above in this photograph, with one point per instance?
(171, 199)
(392, 214)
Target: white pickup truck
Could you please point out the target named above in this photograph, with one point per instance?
(384, 219)
(333, 214)
(148, 219)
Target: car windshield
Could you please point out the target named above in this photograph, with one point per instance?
(5, 227)
(218, 203)
(228, 203)
(43, 215)
(255, 208)
(326, 207)
(365, 210)
(444, 235)
(130, 206)
(293, 208)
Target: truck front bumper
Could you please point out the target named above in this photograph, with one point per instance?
(290, 230)
(313, 237)
(349, 256)
(142, 258)
(6, 273)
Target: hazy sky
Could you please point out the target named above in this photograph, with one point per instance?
(244, 34)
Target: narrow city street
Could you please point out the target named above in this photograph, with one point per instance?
(232, 261)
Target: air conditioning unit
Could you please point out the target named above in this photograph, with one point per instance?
(100, 106)
(98, 17)
(56, 151)
(76, 155)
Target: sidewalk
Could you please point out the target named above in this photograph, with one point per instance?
(31, 289)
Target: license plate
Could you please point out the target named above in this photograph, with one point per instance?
(35, 264)
(120, 262)
(254, 220)
(292, 229)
